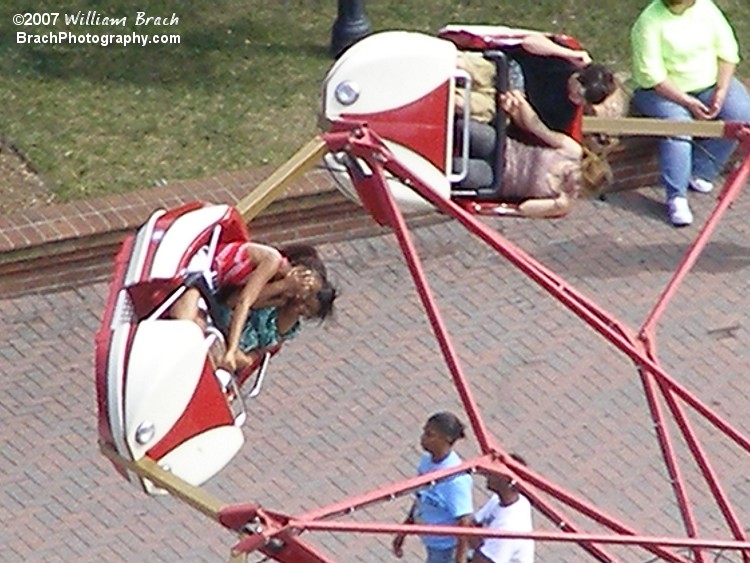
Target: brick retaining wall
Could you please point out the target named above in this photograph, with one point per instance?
(635, 163)
(68, 245)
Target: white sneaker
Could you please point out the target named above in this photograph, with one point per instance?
(679, 212)
(700, 185)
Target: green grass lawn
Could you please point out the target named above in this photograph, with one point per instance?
(239, 90)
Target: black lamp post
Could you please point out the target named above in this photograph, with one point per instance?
(350, 26)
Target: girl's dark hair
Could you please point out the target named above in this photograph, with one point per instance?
(598, 82)
(326, 296)
(306, 255)
(448, 425)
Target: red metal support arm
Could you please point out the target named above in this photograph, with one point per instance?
(372, 189)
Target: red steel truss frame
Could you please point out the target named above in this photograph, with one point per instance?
(364, 145)
(278, 535)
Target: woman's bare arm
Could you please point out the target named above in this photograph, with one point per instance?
(540, 44)
(546, 207)
(726, 72)
(697, 108)
(266, 261)
(519, 110)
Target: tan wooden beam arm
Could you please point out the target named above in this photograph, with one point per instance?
(270, 189)
(652, 127)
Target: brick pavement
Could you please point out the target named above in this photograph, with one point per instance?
(342, 410)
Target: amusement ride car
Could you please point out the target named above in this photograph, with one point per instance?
(169, 419)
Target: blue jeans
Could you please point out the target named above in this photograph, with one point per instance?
(679, 158)
(440, 555)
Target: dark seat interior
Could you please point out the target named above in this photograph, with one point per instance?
(484, 175)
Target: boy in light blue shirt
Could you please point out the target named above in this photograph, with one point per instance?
(447, 502)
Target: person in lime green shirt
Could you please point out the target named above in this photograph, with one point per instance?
(684, 57)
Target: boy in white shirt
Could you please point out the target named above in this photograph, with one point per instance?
(510, 511)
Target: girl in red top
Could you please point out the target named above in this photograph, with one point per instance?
(252, 275)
